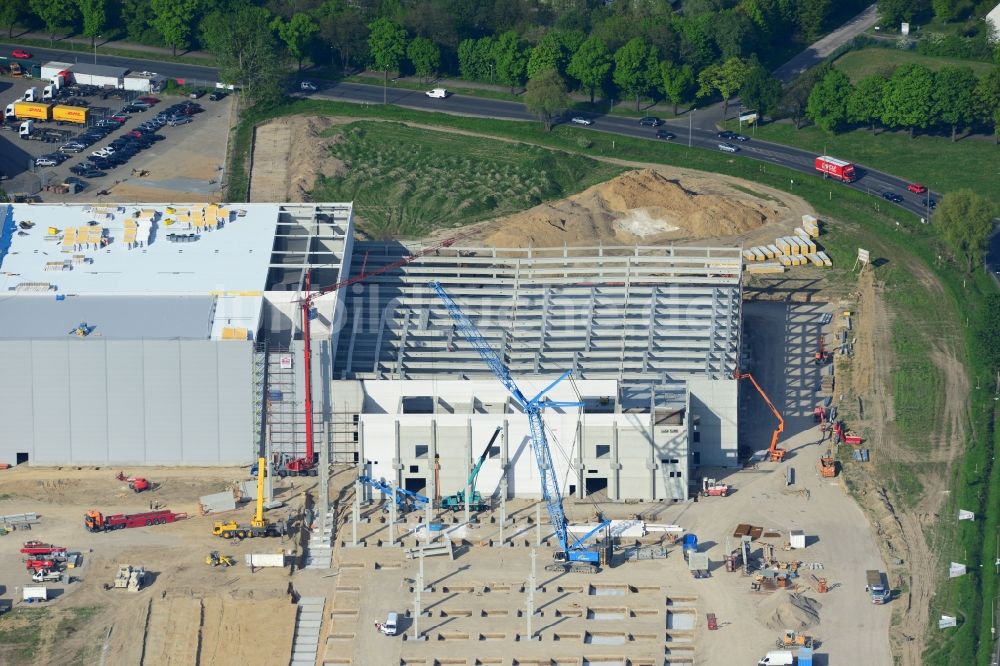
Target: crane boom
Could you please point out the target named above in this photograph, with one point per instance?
(482, 459)
(776, 454)
(540, 445)
(305, 464)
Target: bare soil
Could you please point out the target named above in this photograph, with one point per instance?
(289, 154)
(189, 613)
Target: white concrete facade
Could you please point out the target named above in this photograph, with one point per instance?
(629, 450)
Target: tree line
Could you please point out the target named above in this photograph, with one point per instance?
(503, 41)
(913, 97)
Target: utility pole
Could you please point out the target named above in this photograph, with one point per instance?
(690, 116)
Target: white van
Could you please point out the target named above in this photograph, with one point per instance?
(777, 658)
(391, 622)
(437, 93)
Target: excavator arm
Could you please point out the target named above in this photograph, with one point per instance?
(776, 454)
(482, 459)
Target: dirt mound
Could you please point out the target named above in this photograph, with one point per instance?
(791, 611)
(643, 206)
(289, 154)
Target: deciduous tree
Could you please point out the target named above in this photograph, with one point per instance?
(988, 101)
(174, 20)
(954, 97)
(678, 82)
(246, 51)
(636, 68)
(510, 59)
(95, 18)
(894, 12)
(546, 96)
(57, 15)
(475, 59)
(761, 92)
(907, 101)
(11, 12)
(547, 54)
(966, 220)
(387, 44)
(864, 105)
(346, 32)
(591, 65)
(297, 33)
(945, 9)
(725, 78)
(827, 105)
(734, 34)
(425, 56)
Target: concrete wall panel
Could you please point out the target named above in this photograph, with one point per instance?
(51, 395)
(16, 401)
(126, 401)
(88, 405)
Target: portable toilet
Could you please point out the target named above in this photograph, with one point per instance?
(690, 544)
(805, 656)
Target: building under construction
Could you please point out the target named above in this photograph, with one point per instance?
(172, 334)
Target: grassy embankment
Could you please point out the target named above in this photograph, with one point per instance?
(920, 321)
(865, 62)
(932, 160)
(407, 182)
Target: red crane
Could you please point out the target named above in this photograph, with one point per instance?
(306, 465)
(776, 454)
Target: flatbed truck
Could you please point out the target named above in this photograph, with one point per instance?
(876, 587)
(95, 521)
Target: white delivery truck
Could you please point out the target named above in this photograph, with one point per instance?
(437, 93)
(33, 593)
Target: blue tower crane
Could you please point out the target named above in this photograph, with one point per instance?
(570, 557)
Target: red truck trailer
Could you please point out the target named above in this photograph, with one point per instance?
(831, 167)
(39, 548)
(95, 521)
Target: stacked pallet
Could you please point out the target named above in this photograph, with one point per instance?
(799, 249)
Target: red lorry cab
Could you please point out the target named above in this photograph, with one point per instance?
(834, 168)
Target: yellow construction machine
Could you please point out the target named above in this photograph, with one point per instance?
(794, 639)
(259, 526)
(215, 559)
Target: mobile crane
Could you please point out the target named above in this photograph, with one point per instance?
(305, 465)
(259, 525)
(571, 556)
(399, 495)
(457, 501)
(775, 453)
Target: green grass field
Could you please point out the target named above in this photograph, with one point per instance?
(864, 62)
(407, 182)
(932, 160)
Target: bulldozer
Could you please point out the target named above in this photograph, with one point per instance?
(793, 639)
(259, 525)
(215, 559)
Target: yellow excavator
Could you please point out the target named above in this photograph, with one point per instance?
(259, 526)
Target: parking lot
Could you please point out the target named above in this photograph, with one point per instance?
(174, 150)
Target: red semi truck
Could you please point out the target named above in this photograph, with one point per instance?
(831, 167)
(95, 521)
(39, 548)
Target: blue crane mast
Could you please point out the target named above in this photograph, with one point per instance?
(570, 556)
(400, 495)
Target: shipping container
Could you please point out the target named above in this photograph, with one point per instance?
(70, 114)
(52, 69)
(35, 110)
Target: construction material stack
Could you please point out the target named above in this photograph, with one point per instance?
(130, 578)
(797, 249)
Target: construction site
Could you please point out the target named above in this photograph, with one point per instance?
(494, 446)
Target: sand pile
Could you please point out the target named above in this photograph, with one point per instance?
(789, 611)
(642, 206)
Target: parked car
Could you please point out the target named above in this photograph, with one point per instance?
(74, 147)
(742, 138)
(217, 95)
(650, 121)
(665, 135)
(932, 203)
(149, 100)
(197, 94)
(45, 161)
(308, 86)
(179, 120)
(134, 108)
(107, 151)
(580, 120)
(892, 196)
(91, 173)
(728, 148)
(21, 54)
(726, 134)
(916, 188)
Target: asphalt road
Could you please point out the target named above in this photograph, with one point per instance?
(871, 181)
